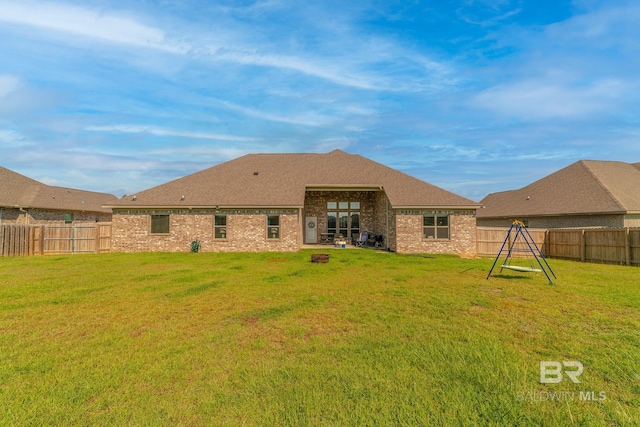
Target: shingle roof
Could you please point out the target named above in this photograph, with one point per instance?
(281, 180)
(20, 191)
(585, 187)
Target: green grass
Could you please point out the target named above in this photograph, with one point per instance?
(369, 338)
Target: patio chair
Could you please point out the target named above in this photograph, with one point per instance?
(361, 240)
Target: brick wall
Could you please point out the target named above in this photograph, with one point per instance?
(385, 221)
(10, 215)
(50, 217)
(410, 239)
(246, 231)
(632, 220)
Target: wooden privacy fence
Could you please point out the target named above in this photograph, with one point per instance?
(490, 239)
(22, 240)
(605, 245)
(15, 240)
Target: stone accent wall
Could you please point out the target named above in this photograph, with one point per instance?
(567, 221)
(462, 233)
(51, 217)
(246, 231)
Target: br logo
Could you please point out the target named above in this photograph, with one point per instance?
(551, 372)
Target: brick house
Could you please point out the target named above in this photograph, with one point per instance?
(279, 202)
(588, 193)
(27, 201)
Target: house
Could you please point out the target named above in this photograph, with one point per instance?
(588, 193)
(279, 202)
(27, 201)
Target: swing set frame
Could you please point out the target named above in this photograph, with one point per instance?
(530, 247)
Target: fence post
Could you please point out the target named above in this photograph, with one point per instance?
(583, 246)
(42, 228)
(32, 241)
(627, 247)
(97, 241)
(547, 243)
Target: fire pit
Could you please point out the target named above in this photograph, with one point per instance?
(320, 258)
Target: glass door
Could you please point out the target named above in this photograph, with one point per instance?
(343, 218)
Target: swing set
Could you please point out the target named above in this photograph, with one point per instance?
(522, 243)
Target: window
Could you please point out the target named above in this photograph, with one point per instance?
(220, 227)
(159, 224)
(273, 226)
(436, 226)
(68, 218)
(343, 218)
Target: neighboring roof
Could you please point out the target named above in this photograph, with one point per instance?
(585, 187)
(18, 191)
(281, 180)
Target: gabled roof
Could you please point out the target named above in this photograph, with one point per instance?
(18, 191)
(585, 187)
(281, 180)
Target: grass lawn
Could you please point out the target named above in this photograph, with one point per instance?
(370, 338)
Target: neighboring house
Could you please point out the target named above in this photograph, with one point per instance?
(278, 202)
(588, 193)
(27, 201)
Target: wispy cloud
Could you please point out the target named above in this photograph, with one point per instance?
(8, 84)
(354, 65)
(133, 94)
(309, 119)
(321, 69)
(158, 131)
(540, 99)
(12, 139)
(97, 24)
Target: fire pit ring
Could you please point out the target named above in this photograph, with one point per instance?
(320, 258)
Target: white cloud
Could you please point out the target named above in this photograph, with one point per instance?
(322, 69)
(8, 84)
(306, 119)
(351, 66)
(12, 139)
(611, 26)
(82, 21)
(540, 99)
(157, 131)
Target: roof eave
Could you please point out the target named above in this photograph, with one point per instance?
(342, 187)
(441, 207)
(196, 207)
(530, 215)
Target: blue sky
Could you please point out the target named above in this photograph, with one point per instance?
(474, 96)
